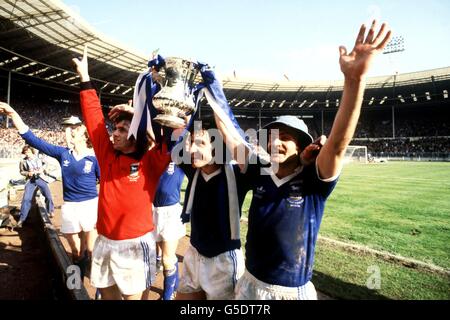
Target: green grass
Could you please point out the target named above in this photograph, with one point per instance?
(400, 207)
(344, 275)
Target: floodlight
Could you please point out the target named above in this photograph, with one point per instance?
(397, 44)
(240, 102)
(312, 104)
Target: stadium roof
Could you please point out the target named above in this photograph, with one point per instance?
(38, 38)
(402, 89)
(324, 85)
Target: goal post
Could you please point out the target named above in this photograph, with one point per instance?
(356, 154)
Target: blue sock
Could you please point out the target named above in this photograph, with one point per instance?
(170, 283)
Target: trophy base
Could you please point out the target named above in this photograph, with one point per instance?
(170, 121)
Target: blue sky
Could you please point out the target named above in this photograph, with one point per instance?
(268, 39)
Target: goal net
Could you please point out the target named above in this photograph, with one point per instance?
(356, 154)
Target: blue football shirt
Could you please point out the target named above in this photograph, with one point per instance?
(169, 188)
(79, 175)
(210, 216)
(284, 221)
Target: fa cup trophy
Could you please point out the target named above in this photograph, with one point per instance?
(175, 101)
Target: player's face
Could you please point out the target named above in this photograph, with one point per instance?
(283, 146)
(78, 134)
(120, 137)
(201, 149)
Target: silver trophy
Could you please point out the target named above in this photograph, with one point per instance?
(175, 101)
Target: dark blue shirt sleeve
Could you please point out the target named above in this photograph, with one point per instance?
(324, 188)
(43, 146)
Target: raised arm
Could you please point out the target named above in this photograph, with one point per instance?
(17, 120)
(91, 108)
(234, 143)
(118, 110)
(240, 151)
(355, 66)
(25, 132)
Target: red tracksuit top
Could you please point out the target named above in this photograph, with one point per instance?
(127, 185)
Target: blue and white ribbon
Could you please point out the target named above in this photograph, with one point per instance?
(213, 91)
(144, 111)
(146, 88)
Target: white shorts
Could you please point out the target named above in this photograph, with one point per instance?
(79, 216)
(129, 264)
(168, 225)
(217, 276)
(250, 288)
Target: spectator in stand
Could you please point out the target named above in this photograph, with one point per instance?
(33, 169)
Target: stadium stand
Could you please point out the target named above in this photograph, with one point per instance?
(404, 115)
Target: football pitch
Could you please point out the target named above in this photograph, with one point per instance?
(402, 208)
(399, 207)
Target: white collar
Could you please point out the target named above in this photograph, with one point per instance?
(279, 182)
(78, 157)
(233, 200)
(208, 177)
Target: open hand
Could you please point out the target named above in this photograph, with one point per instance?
(356, 64)
(310, 153)
(117, 110)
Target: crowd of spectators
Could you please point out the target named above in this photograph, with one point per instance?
(44, 122)
(409, 147)
(404, 128)
(413, 137)
(11, 143)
